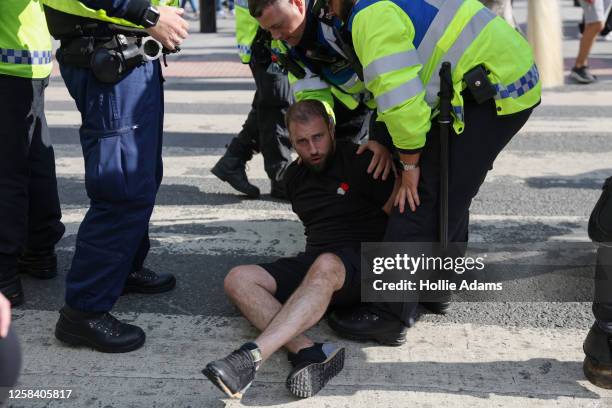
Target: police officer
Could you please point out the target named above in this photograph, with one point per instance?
(264, 129)
(400, 60)
(119, 94)
(29, 205)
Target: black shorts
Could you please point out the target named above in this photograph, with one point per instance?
(289, 272)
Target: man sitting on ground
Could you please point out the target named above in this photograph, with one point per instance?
(340, 207)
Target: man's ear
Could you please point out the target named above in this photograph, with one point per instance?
(332, 129)
(300, 5)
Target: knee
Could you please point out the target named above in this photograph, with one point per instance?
(327, 270)
(596, 26)
(235, 280)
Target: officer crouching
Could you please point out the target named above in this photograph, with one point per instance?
(111, 68)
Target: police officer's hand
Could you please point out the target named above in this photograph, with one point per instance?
(408, 191)
(382, 161)
(171, 28)
(5, 316)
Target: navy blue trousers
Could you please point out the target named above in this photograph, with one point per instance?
(121, 138)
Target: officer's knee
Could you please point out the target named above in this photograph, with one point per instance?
(328, 270)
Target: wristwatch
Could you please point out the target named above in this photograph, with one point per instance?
(150, 17)
(406, 166)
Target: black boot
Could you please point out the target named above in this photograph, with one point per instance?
(147, 281)
(101, 331)
(598, 361)
(41, 264)
(10, 287)
(362, 324)
(231, 168)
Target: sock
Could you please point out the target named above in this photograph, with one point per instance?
(255, 353)
(316, 354)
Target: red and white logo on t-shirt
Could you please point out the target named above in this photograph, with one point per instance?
(343, 188)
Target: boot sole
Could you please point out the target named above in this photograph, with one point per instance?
(76, 340)
(224, 179)
(311, 379)
(215, 377)
(386, 339)
(150, 290)
(597, 374)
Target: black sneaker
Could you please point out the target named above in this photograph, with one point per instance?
(101, 331)
(598, 361)
(313, 367)
(583, 75)
(235, 373)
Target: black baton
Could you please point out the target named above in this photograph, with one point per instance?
(445, 121)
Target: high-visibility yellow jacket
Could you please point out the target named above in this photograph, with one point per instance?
(246, 30)
(25, 44)
(402, 57)
(120, 12)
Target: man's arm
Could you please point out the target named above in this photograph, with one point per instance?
(170, 30)
(391, 72)
(130, 10)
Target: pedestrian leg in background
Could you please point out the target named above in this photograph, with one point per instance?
(594, 17)
(121, 136)
(29, 205)
(10, 363)
(598, 343)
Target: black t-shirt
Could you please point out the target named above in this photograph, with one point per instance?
(342, 205)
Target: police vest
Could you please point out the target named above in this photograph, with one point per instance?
(246, 30)
(328, 71)
(77, 8)
(25, 44)
(402, 58)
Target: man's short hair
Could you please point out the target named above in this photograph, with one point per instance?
(256, 7)
(305, 111)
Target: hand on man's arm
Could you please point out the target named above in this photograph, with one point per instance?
(382, 160)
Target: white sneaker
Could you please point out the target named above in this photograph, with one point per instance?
(221, 14)
(607, 37)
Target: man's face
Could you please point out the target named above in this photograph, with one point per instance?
(313, 141)
(285, 20)
(341, 8)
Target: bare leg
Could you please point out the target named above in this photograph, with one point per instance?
(591, 31)
(306, 305)
(251, 289)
